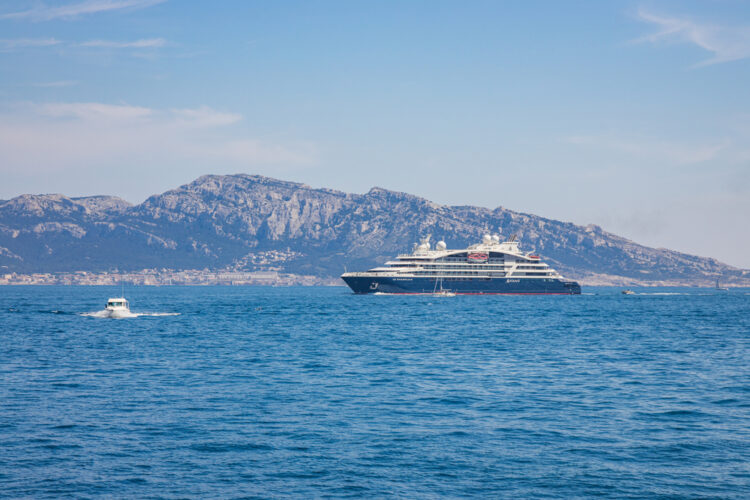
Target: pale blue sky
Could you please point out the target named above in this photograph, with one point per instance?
(631, 115)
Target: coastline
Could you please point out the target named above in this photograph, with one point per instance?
(193, 277)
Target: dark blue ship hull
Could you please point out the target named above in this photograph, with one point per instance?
(471, 286)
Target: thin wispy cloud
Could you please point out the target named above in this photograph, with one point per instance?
(50, 136)
(18, 44)
(119, 114)
(7, 45)
(43, 12)
(676, 153)
(205, 117)
(55, 84)
(102, 113)
(726, 43)
(147, 43)
(91, 111)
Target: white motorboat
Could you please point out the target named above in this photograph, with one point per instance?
(118, 307)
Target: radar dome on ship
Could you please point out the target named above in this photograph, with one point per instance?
(425, 243)
(496, 238)
(486, 239)
(441, 245)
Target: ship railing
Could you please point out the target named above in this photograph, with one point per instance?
(449, 276)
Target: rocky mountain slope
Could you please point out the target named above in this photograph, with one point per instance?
(236, 221)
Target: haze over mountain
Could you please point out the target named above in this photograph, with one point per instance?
(228, 221)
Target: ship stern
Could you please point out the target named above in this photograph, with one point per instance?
(572, 287)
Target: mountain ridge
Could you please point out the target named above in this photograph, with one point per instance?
(236, 221)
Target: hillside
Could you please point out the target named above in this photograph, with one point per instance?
(253, 222)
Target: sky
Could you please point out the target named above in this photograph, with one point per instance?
(633, 115)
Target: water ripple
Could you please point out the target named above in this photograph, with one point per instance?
(313, 392)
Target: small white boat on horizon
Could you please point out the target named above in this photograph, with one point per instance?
(439, 291)
(119, 308)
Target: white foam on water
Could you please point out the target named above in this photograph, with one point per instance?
(124, 315)
(98, 314)
(676, 293)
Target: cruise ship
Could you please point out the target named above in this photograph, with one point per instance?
(490, 267)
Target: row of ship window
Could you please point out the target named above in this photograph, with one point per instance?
(496, 262)
(462, 270)
(492, 273)
(444, 280)
(462, 279)
(463, 259)
(477, 266)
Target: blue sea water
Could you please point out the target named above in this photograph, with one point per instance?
(315, 392)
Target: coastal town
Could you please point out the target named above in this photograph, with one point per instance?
(165, 277)
(259, 268)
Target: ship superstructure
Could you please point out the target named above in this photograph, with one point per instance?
(490, 267)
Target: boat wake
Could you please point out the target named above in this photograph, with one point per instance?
(104, 313)
(677, 293)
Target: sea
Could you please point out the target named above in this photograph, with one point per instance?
(313, 392)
